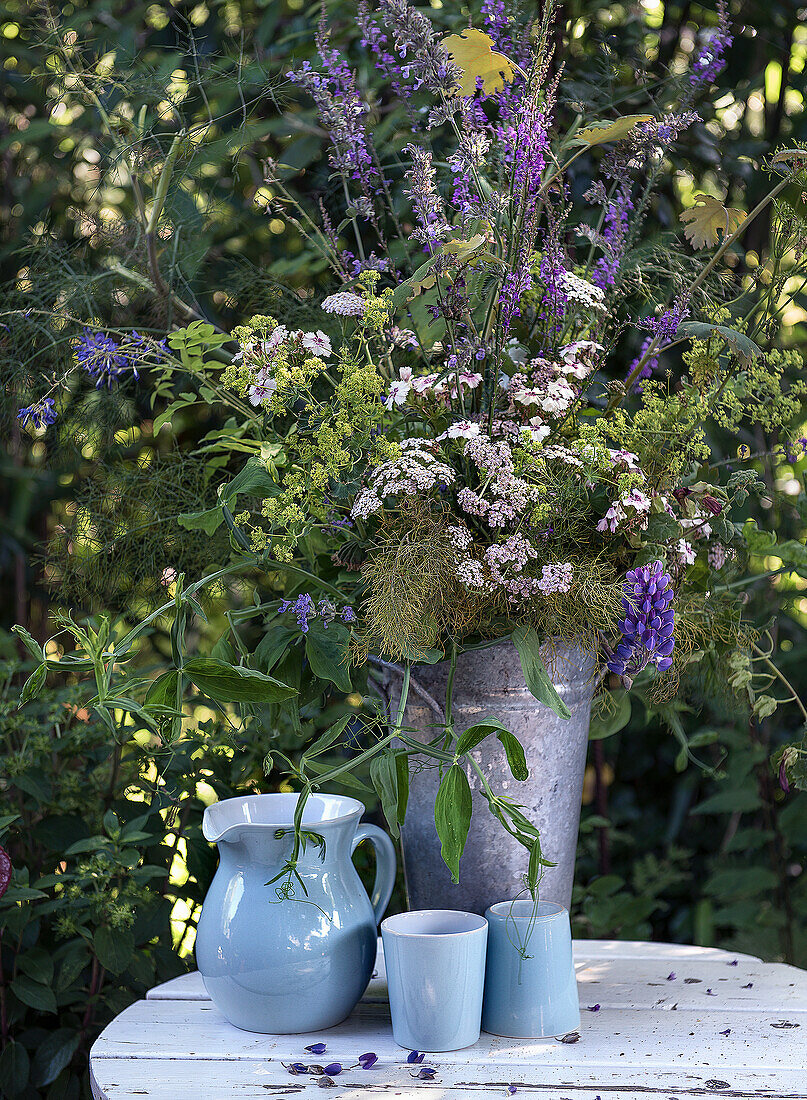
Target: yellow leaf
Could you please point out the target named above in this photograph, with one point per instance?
(472, 51)
(708, 219)
(601, 132)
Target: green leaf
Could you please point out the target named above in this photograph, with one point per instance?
(30, 643)
(384, 777)
(537, 679)
(476, 733)
(610, 714)
(34, 994)
(662, 528)
(515, 755)
(254, 479)
(52, 1055)
(739, 343)
(326, 739)
(327, 653)
(163, 690)
(37, 964)
(273, 645)
(114, 948)
(208, 521)
(234, 683)
(33, 685)
(14, 1069)
(452, 816)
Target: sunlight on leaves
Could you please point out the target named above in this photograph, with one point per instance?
(601, 132)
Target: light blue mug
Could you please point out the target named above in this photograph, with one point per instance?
(435, 961)
(530, 984)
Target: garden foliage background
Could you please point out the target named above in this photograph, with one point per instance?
(110, 865)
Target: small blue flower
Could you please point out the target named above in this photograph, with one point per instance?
(316, 1048)
(414, 1056)
(367, 1060)
(39, 415)
(334, 1069)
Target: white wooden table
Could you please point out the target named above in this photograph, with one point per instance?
(658, 1021)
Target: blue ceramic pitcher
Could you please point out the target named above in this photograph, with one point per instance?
(299, 963)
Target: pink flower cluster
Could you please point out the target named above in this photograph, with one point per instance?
(504, 497)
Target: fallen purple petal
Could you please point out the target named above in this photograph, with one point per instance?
(512, 1089)
(671, 976)
(425, 1074)
(734, 962)
(334, 1069)
(367, 1060)
(297, 1067)
(726, 1032)
(326, 1083)
(749, 986)
(316, 1048)
(414, 1056)
(710, 993)
(593, 1008)
(316, 1071)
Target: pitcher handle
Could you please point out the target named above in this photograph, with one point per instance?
(384, 865)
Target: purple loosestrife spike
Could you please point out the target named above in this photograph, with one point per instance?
(426, 60)
(711, 58)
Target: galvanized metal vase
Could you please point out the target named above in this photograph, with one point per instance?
(490, 682)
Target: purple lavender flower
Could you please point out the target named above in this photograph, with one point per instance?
(39, 415)
(711, 58)
(426, 201)
(341, 111)
(427, 60)
(649, 623)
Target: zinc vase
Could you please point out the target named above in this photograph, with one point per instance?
(490, 682)
(293, 964)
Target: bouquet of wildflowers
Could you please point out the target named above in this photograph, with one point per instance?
(501, 423)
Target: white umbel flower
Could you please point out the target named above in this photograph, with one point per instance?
(345, 304)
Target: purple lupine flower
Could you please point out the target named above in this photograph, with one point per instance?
(649, 623)
(711, 58)
(334, 1069)
(39, 415)
(368, 1060)
(414, 1056)
(316, 1048)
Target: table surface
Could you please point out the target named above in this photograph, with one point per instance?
(663, 1021)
